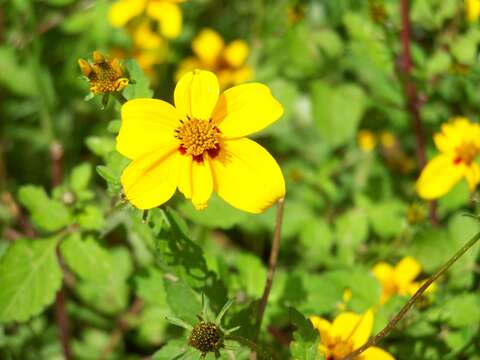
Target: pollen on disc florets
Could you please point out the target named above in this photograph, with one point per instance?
(206, 337)
(466, 153)
(197, 137)
(105, 76)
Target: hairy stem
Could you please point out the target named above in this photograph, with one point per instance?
(403, 311)
(411, 93)
(272, 265)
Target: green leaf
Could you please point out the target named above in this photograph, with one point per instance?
(150, 287)
(176, 350)
(48, 214)
(252, 274)
(141, 88)
(80, 177)
(387, 218)
(91, 218)
(100, 146)
(86, 258)
(306, 338)
(351, 231)
(337, 111)
(183, 301)
(30, 276)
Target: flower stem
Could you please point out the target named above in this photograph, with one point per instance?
(386, 330)
(405, 65)
(119, 97)
(272, 265)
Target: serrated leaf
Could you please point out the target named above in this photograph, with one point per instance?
(48, 214)
(141, 88)
(183, 301)
(30, 276)
(86, 258)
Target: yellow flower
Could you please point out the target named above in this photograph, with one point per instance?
(459, 144)
(105, 76)
(199, 145)
(211, 53)
(366, 140)
(166, 13)
(472, 9)
(399, 279)
(347, 332)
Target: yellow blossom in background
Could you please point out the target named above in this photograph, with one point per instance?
(399, 279)
(211, 53)
(199, 146)
(366, 140)
(347, 332)
(166, 13)
(459, 146)
(105, 76)
(472, 9)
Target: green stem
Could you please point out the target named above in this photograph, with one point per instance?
(119, 97)
(386, 330)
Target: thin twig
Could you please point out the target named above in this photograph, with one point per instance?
(413, 100)
(122, 326)
(386, 330)
(272, 265)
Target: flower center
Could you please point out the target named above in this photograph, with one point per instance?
(466, 153)
(197, 137)
(336, 348)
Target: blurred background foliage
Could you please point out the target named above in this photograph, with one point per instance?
(345, 144)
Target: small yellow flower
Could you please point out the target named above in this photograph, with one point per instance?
(472, 9)
(211, 53)
(105, 76)
(399, 279)
(347, 332)
(166, 13)
(199, 145)
(459, 144)
(366, 140)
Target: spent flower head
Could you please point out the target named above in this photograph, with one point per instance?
(105, 76)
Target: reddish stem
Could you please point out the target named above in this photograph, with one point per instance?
(411, 93)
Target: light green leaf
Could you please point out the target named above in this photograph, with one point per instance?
(86, 258)
(80, 177)
(141, 88)
(30, 276)
(183, 301)
(91, 218)
(337, 111)
(48, 214)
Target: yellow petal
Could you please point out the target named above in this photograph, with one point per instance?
(236, 53)
(187, 65)
(247, 176)
(208, 45)
(145, 38)
(185, 176)
(147, 124)
(407, 270)
(375, 353)
(123, 11)
(245, 109)
(168, 15)
(472, 174)
(357, 328)
(438, 177)
(196, 94)
(322, 325)
(472, 8)
(383, 272)
(202, 184)
(151, 180)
